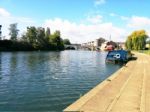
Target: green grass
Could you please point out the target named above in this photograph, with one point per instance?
(145, 51)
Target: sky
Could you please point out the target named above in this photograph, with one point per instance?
(78, 20)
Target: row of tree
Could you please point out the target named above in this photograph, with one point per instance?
(34, 39)
(43, 40)
(137, 40)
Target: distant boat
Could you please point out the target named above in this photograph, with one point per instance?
(109, 48)
(118, 56)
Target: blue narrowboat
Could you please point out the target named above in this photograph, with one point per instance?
(117, 56)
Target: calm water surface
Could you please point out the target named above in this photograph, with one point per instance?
(49, 81)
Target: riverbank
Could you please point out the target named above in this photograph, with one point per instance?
(146, 52)
(10, 45)
(126, 90)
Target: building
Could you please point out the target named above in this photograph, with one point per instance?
(102, 44)
(121, 45)
(94, 45)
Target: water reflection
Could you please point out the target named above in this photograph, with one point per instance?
(13, 61)
(0, 66)
(49, 81)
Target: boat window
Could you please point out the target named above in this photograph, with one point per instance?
(112, 53)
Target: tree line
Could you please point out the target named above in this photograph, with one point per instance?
(35, 38)
(137, 40)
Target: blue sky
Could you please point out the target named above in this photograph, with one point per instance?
(78, 20)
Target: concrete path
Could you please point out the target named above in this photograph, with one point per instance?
(127, 90)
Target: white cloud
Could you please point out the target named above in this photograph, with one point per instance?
(99, 2)
(124, 18)
(139, 22)
(95, 19)
(85, 32)
(4, 13)
(113, 14)
(134, 23)
(6, 19)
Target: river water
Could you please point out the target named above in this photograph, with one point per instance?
(49, 81)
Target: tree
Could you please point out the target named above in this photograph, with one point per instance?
(66, 41)
(100, 41)
(47, 34)
(137, 40)
(13, 31)
(23, 37)
(128, 43)
(41, 41)
(148, 40)
(57, 40)
(31, 35)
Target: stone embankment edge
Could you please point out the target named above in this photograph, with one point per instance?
(81, 101)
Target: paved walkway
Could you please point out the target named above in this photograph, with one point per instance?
(127, 90)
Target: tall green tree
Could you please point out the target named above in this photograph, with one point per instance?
(100, 41)
(31, 35)
(66, 41)
(137, 40)
(47, 34)
(129, 43)
(13, 31)
(40, 39)
(57, 41)
(24, 37)
(41, 42)
(148, 40)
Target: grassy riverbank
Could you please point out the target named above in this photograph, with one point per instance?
(144, 51)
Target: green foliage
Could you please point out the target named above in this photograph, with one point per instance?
(43, 40)
(129, 43)
(146, 52)
(31, 35)
(66, 41)
(33, 39)
(137, 40)
(40, 37)
(47, 34)
(10, 45)
(57, 40)
(13, 31)
(100, 41)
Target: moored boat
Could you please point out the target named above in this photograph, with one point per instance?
(118, 56)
